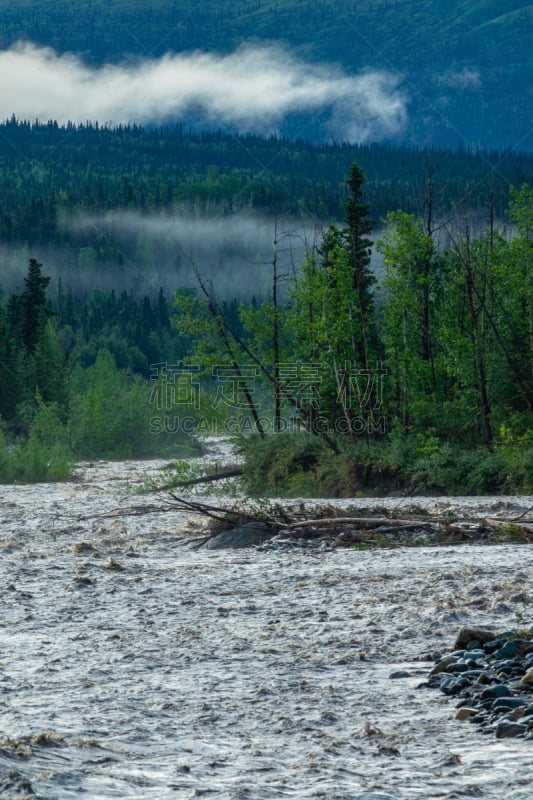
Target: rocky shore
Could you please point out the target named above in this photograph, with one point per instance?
(492, 674)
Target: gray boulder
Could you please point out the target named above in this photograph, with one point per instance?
(467, 635)
(242, 536)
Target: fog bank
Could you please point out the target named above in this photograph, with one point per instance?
(254, 88)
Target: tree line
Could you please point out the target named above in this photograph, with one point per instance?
(51, 176)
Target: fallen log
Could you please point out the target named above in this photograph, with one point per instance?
(367, 523)
(511, 530)
(494, 522)
(225, 472)
(376, 528)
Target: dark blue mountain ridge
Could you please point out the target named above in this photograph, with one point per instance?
(464, 68)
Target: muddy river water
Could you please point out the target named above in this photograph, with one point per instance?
(134, 665)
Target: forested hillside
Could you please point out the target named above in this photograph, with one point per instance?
(102, 206)
(465, 67)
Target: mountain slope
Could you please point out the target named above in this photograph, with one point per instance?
(466, 67)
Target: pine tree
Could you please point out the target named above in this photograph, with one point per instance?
(33, 303)
(357, 246)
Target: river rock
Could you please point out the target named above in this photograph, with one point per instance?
(508, 730)
(505, 703)
(443, 664)
(527, 678)
(242, 536)
(509, 649)
(497, 690)
(467, 635)
(503, 707)
(465, 713)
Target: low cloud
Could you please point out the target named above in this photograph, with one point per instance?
(254, 88)
(465, 79)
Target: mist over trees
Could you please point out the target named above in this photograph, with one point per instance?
(428, 382)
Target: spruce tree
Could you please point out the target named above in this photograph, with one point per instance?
(33, 304)
(358, 243)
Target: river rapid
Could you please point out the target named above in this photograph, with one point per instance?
(134, 664)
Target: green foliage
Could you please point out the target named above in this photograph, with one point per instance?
(172, 475)
(102, 411)
(298, 465)
(412, 286)
(45, 455)
(136, 329)
(110, 414)
(447, 469)
(46, 366)
(455, 329)
(302, 465)
(281, 464)
(333, 318)
(10, 377)
(33, 306)
(32, 363)
(358, 246)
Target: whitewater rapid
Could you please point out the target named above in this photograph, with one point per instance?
(134, 664)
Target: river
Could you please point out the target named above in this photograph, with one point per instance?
(134, 665)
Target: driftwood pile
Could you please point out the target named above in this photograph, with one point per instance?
(379, 527)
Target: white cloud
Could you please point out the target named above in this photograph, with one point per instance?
(254, 88)
(465, 79)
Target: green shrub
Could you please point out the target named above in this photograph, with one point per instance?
(43, 456)
(459, 472)
(304, 466)
(282, 464)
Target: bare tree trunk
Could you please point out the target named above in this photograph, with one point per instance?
(215, 310)
(478, 340)
(275, 333)
(220, 323)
